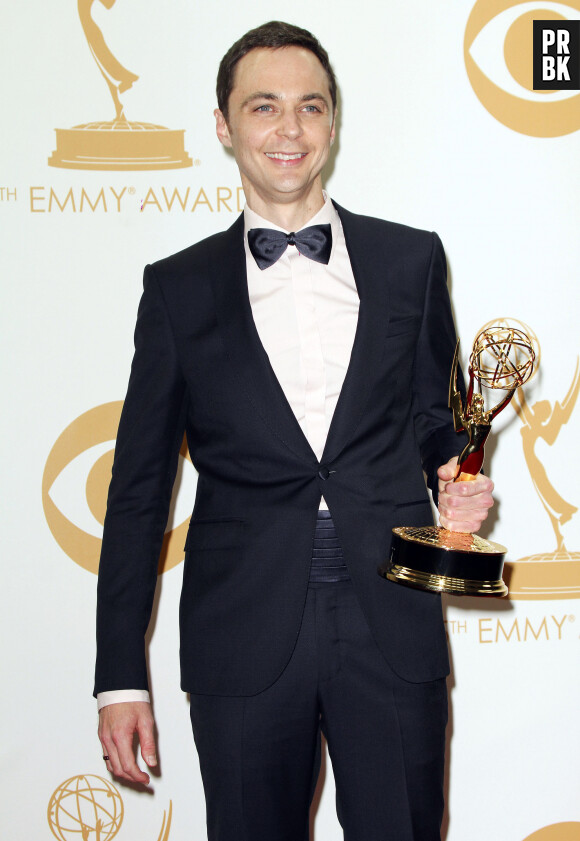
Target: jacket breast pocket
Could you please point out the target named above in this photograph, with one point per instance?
(214, 535)
(407, 324)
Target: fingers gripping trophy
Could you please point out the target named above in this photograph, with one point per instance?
(432, 557)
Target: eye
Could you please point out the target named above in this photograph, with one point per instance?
(498, 55)
(313, 109)
(78, 489)
(76, 481)
(264, 108)
(497, 50)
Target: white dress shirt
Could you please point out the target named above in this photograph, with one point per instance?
(306, 315)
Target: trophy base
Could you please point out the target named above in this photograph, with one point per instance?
(119, 145)
(440, 561)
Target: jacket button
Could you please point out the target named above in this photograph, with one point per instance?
(324, 472)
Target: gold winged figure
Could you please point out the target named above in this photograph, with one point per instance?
(473, 419)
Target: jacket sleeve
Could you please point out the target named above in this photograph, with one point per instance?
(433, 419)
(147, 449)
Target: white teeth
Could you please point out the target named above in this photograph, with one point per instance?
(280, 156)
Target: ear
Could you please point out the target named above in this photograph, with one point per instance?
(221, 128)
(333, 127)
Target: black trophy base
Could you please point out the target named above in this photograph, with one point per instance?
(441, 561)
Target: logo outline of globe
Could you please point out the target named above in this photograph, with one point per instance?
(87, 807)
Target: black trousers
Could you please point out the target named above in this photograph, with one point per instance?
(260, 755)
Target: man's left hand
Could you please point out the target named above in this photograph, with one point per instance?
(463, 506)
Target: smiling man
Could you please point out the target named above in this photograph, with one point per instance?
(306, 354)
(279, 122)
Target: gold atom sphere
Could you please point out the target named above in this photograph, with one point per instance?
(502, 357)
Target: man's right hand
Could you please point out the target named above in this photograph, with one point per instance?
(117, 725)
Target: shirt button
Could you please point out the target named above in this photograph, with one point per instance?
(324, 472)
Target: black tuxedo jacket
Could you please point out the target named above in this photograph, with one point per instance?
(199, 366)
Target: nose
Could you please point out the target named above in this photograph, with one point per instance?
(289, 125)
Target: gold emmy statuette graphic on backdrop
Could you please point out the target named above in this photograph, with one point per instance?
(90, 808)
(547, 575)
(116, 144)
(431, 557)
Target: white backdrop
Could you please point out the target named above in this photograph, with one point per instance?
(423, 140)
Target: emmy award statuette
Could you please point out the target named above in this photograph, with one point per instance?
(431, 557)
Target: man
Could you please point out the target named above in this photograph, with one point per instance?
(306, 351)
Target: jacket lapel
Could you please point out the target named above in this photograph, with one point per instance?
(371, 278)
(245, 350)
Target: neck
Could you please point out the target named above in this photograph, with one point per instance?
(289, 215)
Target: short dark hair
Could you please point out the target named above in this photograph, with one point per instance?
(273, 35)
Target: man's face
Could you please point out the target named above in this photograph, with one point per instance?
(280, 126)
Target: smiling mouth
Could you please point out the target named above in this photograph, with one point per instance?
(281, 156)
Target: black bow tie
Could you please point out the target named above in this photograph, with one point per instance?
(267, 245)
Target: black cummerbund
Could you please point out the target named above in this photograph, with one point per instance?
(327, 564)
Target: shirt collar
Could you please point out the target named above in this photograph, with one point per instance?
(327, 214)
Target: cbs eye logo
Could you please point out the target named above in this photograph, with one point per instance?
(75, 485)
(498, 53)
(569, 831)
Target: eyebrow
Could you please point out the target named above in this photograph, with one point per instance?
(274, 97)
